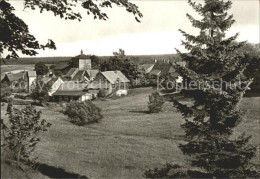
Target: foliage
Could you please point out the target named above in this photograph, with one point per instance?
(155, 103)
(15, 36)
(220, 74)
(122, 63)
(40, 91)
(6, 92)
(82, 113)
(41, 68)
(167, 171)
(20, 136)
(102, 93)
(14, 33)
(58, 73)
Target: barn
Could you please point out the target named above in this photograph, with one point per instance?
(110, 81)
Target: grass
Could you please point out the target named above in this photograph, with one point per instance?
(10, 68)
(127, 141)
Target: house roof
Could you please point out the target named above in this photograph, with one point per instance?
(161, 67)
(181, 63)
(71, 73)
(32, 73)
(61, 66)
(95, 85)
(146, 66)
(53, 80)
(72, 86)
(46, 79)
(15, 76)
(113, 76)
(69, 93)
(82, 56)
(79, 75)
(155, 72)
(92, 73)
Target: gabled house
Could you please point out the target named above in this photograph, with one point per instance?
(63, 67)
(31, 76)
(53, 82)
(110, 81)
(70, 90)
(71, 73)
(74, 74)
(11, 78)
(145, 68)
(161, 68)
(91, 74)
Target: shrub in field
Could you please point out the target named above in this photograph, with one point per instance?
(155, 103)
(20, 136)
(82, 113)
(40, 91)
(102, 93)
(168, 171)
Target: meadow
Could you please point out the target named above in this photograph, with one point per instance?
(127, 141)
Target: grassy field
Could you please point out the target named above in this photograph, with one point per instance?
(127, 141)
(10, 68)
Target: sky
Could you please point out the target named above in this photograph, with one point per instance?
(156, 34)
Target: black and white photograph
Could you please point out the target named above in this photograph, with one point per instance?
(130, 89)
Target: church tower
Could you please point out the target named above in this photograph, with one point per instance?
(84, 61)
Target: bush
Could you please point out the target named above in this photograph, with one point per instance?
(58, 73)
(41, 68)
(40, 91)
(5, 93)
(102, 93)
(21, 134)
(167, 171)
(82, 113)
(155, 103)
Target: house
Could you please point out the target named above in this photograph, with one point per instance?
(162, 68)
(110, 81)
(62, 66)
(145, 68)
(71, 73)
(31, 76)
(70, 90)
(74, 74)
(53, 82)
(13, 78)
(91, 74)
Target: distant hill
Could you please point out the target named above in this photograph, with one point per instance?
(54, 60)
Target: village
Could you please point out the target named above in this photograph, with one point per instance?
(120, 89)
(83, 82)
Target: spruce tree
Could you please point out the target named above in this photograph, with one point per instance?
(216, 71)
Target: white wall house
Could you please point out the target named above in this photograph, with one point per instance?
(31, 78)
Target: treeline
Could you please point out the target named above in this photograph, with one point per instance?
(141, 59)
